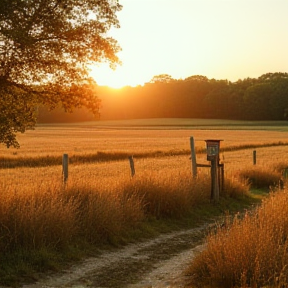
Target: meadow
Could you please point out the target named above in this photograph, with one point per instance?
(41, 218)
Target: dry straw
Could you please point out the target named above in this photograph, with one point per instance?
(249, 252)
(100, 203)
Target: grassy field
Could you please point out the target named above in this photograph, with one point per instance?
(44, 221)
(143, 136)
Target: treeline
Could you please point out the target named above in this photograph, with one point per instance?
(263, 98)
(58, 115)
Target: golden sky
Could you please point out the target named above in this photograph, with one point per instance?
(221, 39)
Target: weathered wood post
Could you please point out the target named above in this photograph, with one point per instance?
(254, 157)
(65, 167)
(193, 157)
(221, 177)
(214, 181)
(213, 148)
(132, 167)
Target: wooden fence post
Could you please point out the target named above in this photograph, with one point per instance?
(65, 167)
(193, 157)
(221, 177)
(214, 180)
(132, 167)
(254, 157)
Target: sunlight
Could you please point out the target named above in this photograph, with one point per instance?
(118, 78)
(182, 48)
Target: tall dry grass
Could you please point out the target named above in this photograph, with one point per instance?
(97, 212)
(262, 177)
(100, 203)
(250, 251)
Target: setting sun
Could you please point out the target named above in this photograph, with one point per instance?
(105, 76)
(121, 76)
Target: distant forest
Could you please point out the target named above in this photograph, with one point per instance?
(263, 98)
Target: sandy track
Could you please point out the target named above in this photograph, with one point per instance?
(156, 263)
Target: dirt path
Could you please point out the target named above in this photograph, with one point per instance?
(154, 263)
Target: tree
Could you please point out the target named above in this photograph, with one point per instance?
(197, 78)
(162, 78)
(258, 100)
(46, 47)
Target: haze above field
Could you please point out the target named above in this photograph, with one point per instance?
(221, 39)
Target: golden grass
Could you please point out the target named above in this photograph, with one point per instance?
(80, 139)
(90, 207)
(90, 144)
(102, 198)
(100, 202)
(250, 252)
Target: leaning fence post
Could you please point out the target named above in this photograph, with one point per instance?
(254, 157)
(131, 161)
(193, 157)
(65, 167)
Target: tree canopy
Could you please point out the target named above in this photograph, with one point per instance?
(263, 98)
(45, 49)
(162, 78)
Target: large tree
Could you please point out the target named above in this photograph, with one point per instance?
(46, 47)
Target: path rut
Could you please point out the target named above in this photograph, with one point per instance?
(156, 263)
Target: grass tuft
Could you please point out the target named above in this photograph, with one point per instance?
(262, 177)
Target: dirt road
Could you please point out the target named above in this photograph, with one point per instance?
(156, 263)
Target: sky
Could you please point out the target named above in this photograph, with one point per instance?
(221, 39)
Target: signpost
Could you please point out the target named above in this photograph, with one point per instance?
(213, 149)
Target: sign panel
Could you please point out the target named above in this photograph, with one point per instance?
(213, 149)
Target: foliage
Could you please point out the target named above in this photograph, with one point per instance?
(263, 98)
(17, 112)
(162, 78)
(45, 49)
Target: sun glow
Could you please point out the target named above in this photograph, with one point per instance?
(216, 42)
(118, 78)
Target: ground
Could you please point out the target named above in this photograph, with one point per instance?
(155, 263)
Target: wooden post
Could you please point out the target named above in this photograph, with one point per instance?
(254, 157)
(221, 177)
(214, 180)
(193, 157)
(65, 167)
(132, 167)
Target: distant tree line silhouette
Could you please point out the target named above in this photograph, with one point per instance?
(263, 98)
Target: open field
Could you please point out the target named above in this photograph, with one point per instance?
(113, 137)
(140, 136)
(189, 123)
(115, 171)
(100, 203)
(93, 137)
